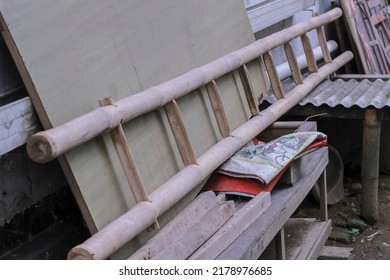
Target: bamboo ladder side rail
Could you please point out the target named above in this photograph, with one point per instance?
(105, 242)
(47, 145)
(102, 244)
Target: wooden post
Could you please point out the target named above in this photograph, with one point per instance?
(323, 196)
(246, 83)
(273, 75)
(370, 166)
(218, 109)
(126, 159)
(280, 245)
(179, 132)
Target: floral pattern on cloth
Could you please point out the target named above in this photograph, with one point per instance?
(263, 161)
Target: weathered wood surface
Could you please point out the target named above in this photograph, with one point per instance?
(304, 240)
(73, 54)
(240, 221)
(309, 234)
(178, 226)
(18, 122)
(198, 232)
(253, 241)
(335, 253)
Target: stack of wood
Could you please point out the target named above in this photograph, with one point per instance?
(369, 25)
(204, 228)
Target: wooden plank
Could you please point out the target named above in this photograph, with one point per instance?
(304, 239)
(335, 253)
(218, 108)
(280, 128)
(178, 226)
(276, 84)
(179, 132)
(18, 122)
(253, 241)
(309, 234)
(233, 228)
(83, 51)
(198, 233)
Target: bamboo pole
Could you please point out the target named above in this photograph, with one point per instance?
(116, 234)
(47, 145)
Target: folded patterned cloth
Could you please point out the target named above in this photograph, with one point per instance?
(264, 161)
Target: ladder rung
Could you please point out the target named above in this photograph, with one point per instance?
(292, 61)
(179, 132)
(273, 75)
(218, 109)
(248, 89)
(308, 49)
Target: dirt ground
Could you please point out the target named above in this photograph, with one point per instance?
(368, 242)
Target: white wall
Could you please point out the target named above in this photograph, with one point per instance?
(320, 6)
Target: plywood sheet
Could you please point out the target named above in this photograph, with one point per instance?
(73, 53)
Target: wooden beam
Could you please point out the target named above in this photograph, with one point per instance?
(233, 228)
(248, 89)
(273, 75)
(178, 226)
(179, 132)
(198, 232)
(218, 109)
(335, 253)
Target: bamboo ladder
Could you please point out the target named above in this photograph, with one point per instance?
(46, 145)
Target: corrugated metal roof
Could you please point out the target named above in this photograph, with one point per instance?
(348, 93)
